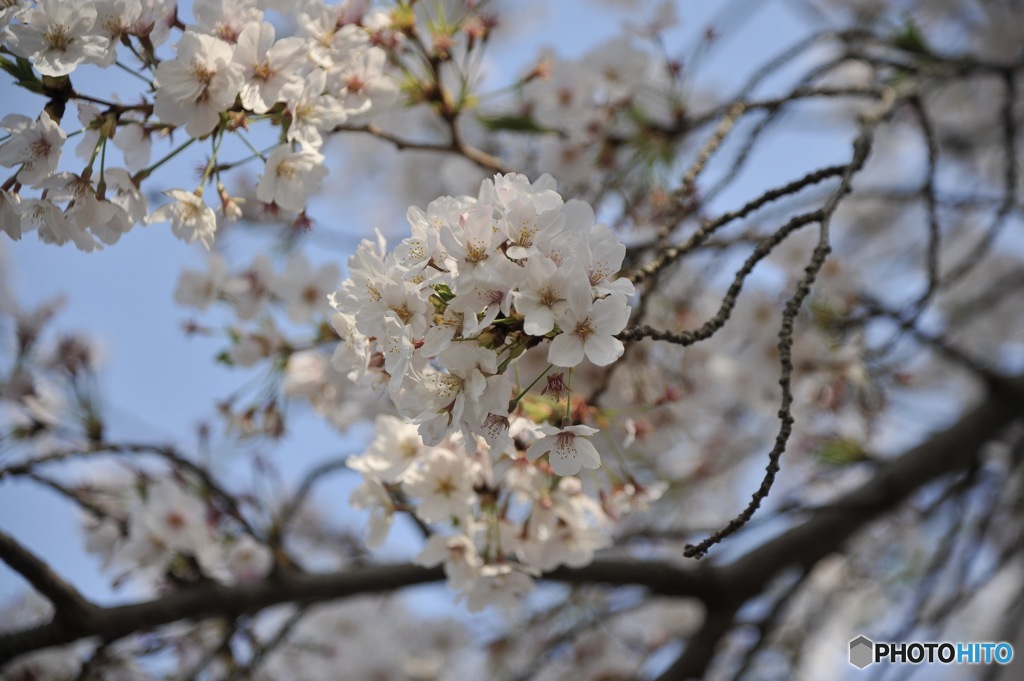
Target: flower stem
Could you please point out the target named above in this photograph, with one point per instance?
(515, 401)
(146, 172)
(567, 420)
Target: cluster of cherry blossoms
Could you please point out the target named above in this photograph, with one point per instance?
(159, 529)
(438, 323)
(480, 282)
(228, 69)
(512, 514)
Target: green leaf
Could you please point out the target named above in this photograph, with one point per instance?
(513, 123)
(21, 70)
(911, 39)
(842, 452)
(444, 292)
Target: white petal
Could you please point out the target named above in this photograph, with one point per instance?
(566, 351)
(603, 350)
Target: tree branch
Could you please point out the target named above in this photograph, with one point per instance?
(70, 606)
(209, 600)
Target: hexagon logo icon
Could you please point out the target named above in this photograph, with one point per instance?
(862, 652)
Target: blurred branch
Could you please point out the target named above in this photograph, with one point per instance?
(71, 608)
(457, 147)
(169, 453)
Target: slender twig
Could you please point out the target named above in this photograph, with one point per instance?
(459, 148)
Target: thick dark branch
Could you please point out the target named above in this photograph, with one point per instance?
(218, 600)
(700, 649)
(70, 606)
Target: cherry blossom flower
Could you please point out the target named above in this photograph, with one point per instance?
(35, 145)
(361, 81)
(373, 496)
(444, 486)
(199, 289)
(166, 522)
(122, 191)
(267, 66)
(588, 329)
(226, 19)
(568, 449)
(443, 403)
(333, 35)
(58, 35)
(396, 447)
(46, 217)
(115, 19)
(248, 560)
(87, 113)
(500, 585)
(86, 210)
(304, 289)
(134, 140)
(254, 345)
(10, 214)
(542, 293)
(198, 84)
(461, 561)
(313, 112)
(191, 219)
(352, 355)
(250, 290)
(290, 176)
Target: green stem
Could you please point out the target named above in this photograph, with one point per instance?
(515, 400)
(135, 73)
(256, 152)
(146, 172)
(218, 137)
(101, 186)
(95, 152)
(567, 420)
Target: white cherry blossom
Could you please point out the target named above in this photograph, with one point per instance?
(568, 449)
(304, 288)
(115, 19)
(588, 329)
(458, 553)
(267, 66)
(58, 35)
(199, 289)
(198, 84)
(444, 486)
(312, 112)
(226, 19)
(35, 145)
(290, 176)
(191, 219)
